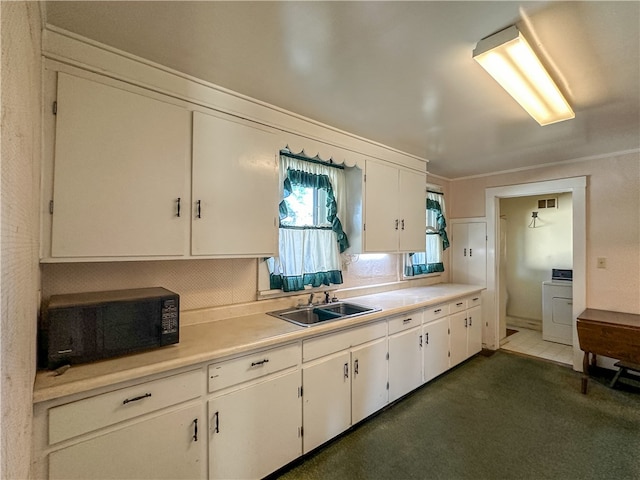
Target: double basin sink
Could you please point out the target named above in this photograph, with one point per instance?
(313, 314)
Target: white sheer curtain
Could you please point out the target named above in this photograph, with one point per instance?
(309, 256)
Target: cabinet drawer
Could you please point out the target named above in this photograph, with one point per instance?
(73, 419)
(405, 322)
(458, 305)
(249, 367)
(334, 342)
(432, 313)
(474, 301)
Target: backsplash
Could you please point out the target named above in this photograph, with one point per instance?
(200, 283)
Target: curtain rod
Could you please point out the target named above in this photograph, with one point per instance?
(312, 160)
(433, 191)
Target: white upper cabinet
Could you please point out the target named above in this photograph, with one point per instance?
(235, 187)
(395, 218)
(121, 173)
(469, 253)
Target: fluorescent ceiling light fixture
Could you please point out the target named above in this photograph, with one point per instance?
(510, 60)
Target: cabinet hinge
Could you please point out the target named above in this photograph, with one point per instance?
(387, 355)
(364, 227)
(300, 431)
(449, 354)
(365, 178)
(448, 331)
(299, 392)
(387, 385)
(51, 207)
(54, 108)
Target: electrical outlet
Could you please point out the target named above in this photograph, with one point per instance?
(602, 262)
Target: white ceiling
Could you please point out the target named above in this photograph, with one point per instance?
(399, 73)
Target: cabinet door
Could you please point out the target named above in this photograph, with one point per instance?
(459, 252)
(458, 338)
(469, 253)
(165, 446)
(412, 205)
(477, 260)
(235, 188)
(474, 334)
(369, 380)
(121, 167)
(435, 340)
(256, 430)
(381, 208)
(405, 362)
(326, 403)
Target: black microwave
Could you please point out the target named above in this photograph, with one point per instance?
(83, 327)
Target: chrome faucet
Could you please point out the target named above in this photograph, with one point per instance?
(310, 299)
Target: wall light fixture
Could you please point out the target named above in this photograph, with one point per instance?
(509, 59)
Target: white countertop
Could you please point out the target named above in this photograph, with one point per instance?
(211, 341)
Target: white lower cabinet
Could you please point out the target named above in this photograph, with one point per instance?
(369, 379)
(474, 332)
(255, 430)
(344, 381)
(326, 403)
(435, 340)
(466, 334)
(405, 354)
(168, 446)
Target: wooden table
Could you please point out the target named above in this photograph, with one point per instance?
(612, 334)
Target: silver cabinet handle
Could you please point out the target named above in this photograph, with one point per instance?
(355, 367)
(397, 223)
(198, 209)
(420, 341)
(346, 370)
(426, 338)
(465, 252)
(402, 224)
(471, 252)
(406, 320)
(259, 362)
(178, 207)
(465, 323)
(437, 310)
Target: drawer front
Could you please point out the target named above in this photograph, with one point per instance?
(474, 301)
(335, 342)
(405, 322)
(249, 367)
(438, 311)
(458, 305)
(73, 419)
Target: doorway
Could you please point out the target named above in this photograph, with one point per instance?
(577, 187)
(535, 240)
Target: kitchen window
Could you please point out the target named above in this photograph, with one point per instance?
(436, 241)
(311, 237)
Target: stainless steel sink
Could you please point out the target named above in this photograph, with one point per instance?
(312, 315)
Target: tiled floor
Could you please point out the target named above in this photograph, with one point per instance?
(530, 342)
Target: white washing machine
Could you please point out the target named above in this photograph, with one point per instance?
(557, 311)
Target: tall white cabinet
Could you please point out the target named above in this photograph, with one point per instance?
(394, 209)
(121, 183)
(469, 252)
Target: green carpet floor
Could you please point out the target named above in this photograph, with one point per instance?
(503, 416)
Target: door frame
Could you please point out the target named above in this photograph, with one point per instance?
(577, 187)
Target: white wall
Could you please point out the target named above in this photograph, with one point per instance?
(20, 164)
(531, 253)
(613, 221)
